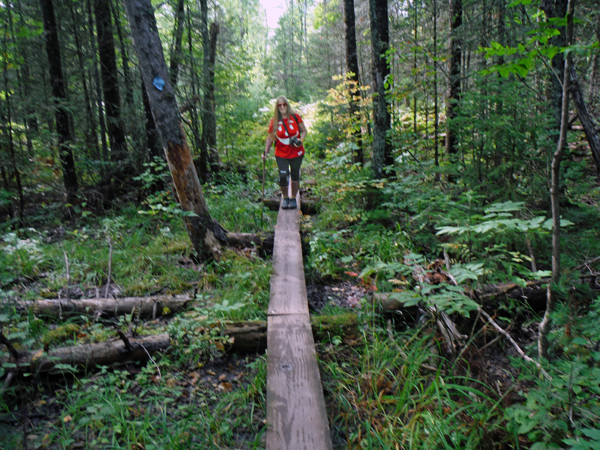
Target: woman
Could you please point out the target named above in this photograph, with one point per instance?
(287, 130)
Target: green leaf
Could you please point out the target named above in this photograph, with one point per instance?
(522, 71)
(592, 433)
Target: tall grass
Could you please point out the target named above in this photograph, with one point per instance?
(395, 391)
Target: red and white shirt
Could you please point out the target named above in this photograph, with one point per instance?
(283, 148)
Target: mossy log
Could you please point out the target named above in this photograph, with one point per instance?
(307, 207)
(250, 337)
(108, 307)
(383, 302)
(264, 242)
(90, 355)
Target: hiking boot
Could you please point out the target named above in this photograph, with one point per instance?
(286, 203)
(293, 204)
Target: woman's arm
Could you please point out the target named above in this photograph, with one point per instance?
(303, 131)
(267, 146)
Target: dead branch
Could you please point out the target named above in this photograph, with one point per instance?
(515, 345)
(125, 340)
(13, 351)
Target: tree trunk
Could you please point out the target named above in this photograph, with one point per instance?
(152, 138)
(108, 307)
(556, 9)
(436, 122)
(454, 91)
(193, 111)
(59, 94)
(90, 131)
(209, 119)
(177, 38)
(90, 355)
(380, 42)
(555, 190)
(110, 81)
(353, 77)
(585, 119)
(98, 97)
(201, 227)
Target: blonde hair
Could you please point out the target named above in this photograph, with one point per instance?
(277, 114)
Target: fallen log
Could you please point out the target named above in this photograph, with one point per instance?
(250, 337)
(307, 207)
(264, 242)
(144, 306)
(90, 355)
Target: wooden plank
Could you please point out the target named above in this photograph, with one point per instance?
(296, 415)
(288, 287)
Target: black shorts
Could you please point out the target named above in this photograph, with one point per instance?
(288, 166)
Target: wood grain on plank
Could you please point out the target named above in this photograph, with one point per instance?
(288, 287)
(296, 415)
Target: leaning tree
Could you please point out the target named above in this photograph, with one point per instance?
(203, 231)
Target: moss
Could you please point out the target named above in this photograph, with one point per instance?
(334, 325)
(48, 294)
(61, 334)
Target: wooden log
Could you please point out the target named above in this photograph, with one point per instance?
(264, 242)
(307, 207)
(384, 303)
(90, 355)
(251, 336)
(148, 306)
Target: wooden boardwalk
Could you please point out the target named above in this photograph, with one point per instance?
(296, 416)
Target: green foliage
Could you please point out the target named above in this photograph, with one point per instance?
(563, 412)
(384, 393)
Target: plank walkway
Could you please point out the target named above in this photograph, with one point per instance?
(296, 416)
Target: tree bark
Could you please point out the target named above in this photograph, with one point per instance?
(209, 118)
(353, 77)
(201, 227)
(585, 119)
(90, 131)
(556, 9)
(454, 90)
(89, 355)
(59, 93)
(108, 307)
(555, 190)
(110, 81)
(152, 138)
(177, 38)
(380, 42)
(98, 87)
